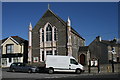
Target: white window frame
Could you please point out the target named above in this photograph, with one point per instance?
(41, 55)
(11, 48)
(54, 34)
(53, 27)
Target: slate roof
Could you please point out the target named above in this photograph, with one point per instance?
(110, 43)
(75, 32)
(107, 42)
(62, 21)
(16, 38)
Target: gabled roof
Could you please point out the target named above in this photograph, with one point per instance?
(106, 42)
(61, 20)
(16, 39)
(74, 31)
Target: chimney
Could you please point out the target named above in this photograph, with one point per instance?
(98, 38)
(114, 40)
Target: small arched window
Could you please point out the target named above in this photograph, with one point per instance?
(49, 33)
(55, 34)
(42, 35)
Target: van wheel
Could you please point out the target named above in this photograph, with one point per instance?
(78, 71)
(50, 71)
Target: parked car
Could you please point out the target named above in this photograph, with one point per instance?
(22, 67)
(63, 64)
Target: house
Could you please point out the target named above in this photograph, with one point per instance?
(53, 36)
(103, 50)
(13, 49)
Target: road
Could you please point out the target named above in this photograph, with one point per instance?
(59, 76)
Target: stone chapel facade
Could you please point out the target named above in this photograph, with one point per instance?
(53, 36)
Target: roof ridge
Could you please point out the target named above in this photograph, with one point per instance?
(57, 16)
(17, 37)
(65, 22)
(60, 19)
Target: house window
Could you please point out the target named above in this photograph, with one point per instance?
(55, 31)
(49, 33)
(15, 59)
(10, 60)
(49, 52)
(42, 35)
(4, 61)
(9, 48)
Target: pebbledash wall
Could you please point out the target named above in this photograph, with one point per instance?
(53, 36)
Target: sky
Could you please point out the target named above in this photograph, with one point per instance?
(89, 19)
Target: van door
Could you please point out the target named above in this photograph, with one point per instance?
(73, 64)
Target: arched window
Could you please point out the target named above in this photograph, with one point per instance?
(55, 33)
(49, 33)
(42, 35)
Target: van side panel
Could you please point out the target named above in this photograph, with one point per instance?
(58, 62)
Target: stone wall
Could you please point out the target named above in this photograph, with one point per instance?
(104, 68)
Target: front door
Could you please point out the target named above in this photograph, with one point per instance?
(82, 59)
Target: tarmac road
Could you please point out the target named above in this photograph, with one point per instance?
(58, 76)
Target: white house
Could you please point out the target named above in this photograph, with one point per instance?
(13, 49)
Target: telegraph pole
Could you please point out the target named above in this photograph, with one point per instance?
(112, 63)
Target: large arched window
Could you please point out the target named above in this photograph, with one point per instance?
(49, 33)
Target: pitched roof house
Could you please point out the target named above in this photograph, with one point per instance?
(13, 49)
(103, 50)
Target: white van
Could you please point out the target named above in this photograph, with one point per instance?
(62, 63)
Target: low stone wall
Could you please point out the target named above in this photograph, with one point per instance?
(104, 68)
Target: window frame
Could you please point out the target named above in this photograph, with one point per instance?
(43, 57)
(9, 49)
(55, 34)
(49, 33)
(42, 35)
(49, 52)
